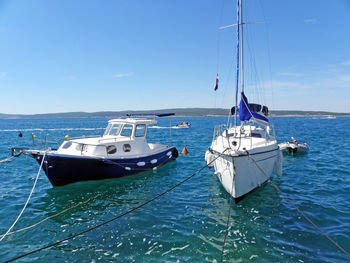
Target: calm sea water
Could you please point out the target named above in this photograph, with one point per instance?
(187, 224)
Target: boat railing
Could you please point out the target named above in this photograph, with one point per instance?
(84, 137)
(274, 132)
(45, 142)
(108, 139)
(218, 130)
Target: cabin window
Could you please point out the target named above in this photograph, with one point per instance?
(66, 145)
(109, 126)
(126, 147)
(111, 149)
(127, 130)
(115, 129)
(140, 130)
(256, 135)
(81, 147)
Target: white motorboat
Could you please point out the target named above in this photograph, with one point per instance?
(294, 147)
(122, 150)
(244, 156)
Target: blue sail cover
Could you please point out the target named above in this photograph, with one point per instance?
(245, 113)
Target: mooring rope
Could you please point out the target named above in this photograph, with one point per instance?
(227, 222)
(25, 205)
(117, 217)
(52, 216)
(300, 212)
(8, 159)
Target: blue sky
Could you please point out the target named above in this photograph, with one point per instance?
(89, 55)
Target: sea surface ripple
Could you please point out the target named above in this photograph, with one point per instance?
(187, 224)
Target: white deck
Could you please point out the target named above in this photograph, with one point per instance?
(115, 144)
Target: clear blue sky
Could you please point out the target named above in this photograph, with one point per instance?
(106, 55)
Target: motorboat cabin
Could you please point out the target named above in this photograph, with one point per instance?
(121, 138)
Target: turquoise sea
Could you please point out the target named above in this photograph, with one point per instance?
(187, 224)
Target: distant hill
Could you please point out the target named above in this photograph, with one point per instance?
(306, 113)
(112, 114)
(177, 111)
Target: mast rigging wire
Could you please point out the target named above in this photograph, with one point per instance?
(218, 44)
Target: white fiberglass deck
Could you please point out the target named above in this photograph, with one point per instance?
(123, 138)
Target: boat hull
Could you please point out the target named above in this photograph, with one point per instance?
(241, 174)
(65, 169)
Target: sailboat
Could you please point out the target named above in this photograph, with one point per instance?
(244, 156)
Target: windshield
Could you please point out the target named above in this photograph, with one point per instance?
(113, 129)
(127, 130)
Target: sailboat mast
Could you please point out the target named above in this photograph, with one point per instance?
(241, 37)
(238, 57)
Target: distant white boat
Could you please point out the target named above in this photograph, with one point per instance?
(244, 156)
(294, 147)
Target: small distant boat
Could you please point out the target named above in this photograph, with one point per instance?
(183, 125)
(122, 150)
(331, 117)
(294, 147)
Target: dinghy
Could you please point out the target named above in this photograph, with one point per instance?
(184, 124)
(294, 146)
(122, 150)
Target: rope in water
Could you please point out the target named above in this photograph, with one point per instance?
(26, 203)
(227, 222)
(52, 216)
(8, 159)
(299, 211)
(117, 217)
